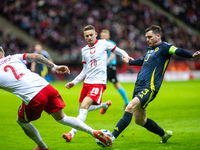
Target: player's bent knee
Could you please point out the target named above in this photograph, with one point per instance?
(131, 107)
(139, 121)
(21, 121)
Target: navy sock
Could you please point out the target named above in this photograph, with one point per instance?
(122, 124)
(153, 127)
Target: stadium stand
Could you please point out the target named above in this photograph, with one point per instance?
(188, 11)
(58, 24)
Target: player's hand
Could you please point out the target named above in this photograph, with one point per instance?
(62, 70)
(69, 85)
(126, 59)
(196, 54)
(131, 58)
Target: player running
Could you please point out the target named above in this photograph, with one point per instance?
(94, 59)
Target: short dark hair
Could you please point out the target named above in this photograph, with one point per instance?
(89, 27)
(155, 29)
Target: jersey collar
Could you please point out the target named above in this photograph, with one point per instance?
(94, 43)
(155, 46)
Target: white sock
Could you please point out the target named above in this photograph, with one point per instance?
(76, 123)
(113, 138)
(94, 107)
(32, 133)
(82, 116)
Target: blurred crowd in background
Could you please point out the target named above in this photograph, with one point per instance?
(186, 10)
(59, 24)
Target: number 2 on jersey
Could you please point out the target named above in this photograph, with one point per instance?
(6, 69)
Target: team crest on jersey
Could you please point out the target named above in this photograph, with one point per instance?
(92, 50)
(156, 49)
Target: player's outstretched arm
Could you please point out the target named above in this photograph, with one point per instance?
(69, 85)
(40, 58)
(62, 69)
(126, 59)
(196, 54)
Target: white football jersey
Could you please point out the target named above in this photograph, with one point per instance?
(94, 59)
(17, 79)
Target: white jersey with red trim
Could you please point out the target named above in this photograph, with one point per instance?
(94, 59)
(17, 79)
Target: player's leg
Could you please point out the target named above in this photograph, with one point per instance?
(133, 105)
(151, 125)
(145, 97)
(27, 113)
(31, 132)
(71, 121)
(102, 105)
(140, 119)
(122, 92)
(83, 109)
(68, 136)
(60, 117)
(90, 94)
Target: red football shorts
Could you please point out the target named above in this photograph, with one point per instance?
(48, 99)
(94, 91)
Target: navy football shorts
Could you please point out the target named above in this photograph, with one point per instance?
(146, 95)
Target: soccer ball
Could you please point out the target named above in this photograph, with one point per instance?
(107, 132)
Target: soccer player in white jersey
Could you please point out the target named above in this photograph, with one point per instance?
(94, 73)
(38, 95)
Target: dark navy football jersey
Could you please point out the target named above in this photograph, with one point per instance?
(154, 65)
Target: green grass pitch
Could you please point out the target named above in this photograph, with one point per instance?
(175, 108)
